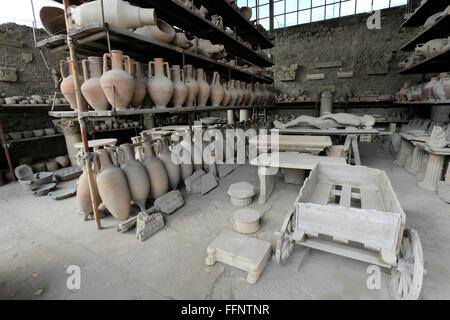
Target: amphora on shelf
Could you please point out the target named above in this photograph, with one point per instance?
(157, 174)
(180, 91)
(432, 47)
(118, 83)
(136, 173)
(162, 31)
(172, 168)
(259, 94)
(227, 94)
(234, 92)
(217, 91)
(83, 197)
(252, 97)
(191, 84)
(113, 187)
(240, 93)
(160, 84)
(68, 85)
(91, 88)
(204, 88)
(246, 94)
(140, 87)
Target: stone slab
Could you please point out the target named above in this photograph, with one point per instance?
(8, 74)
(208, 182)
(328, 64)
(170, 202)
(316, 76)
(224, 169)
(240, 251)
(293, 160)
(345, 74)
(147, 225)
(193, 182)
(311, 144)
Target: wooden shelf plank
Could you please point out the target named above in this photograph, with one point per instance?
(34, 138)
(422, 13)
(436, 63)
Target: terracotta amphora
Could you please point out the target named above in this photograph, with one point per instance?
(204, 88)
(191, 84)
(271, 95)
(138, 181)
(186, 166)
(68, 85)
(227, 95)
(266, 95)
(157, 174)
(252, 97)
(84, 195)
(172, 168)
(140, 87)
(234, 92)
(246, 94)
(113, 187)
(196, 155)
(118, 84)
(446, 82)
(161, 31)
(180, 91)
(240, 93)
(160, 84)
(217, 91)
(91, 88)
(259, 94)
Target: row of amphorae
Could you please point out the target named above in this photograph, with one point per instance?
(125, 84)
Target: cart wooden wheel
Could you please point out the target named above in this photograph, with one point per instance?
(285, 242)
(407, 277)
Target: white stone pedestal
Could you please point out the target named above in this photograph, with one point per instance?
(406, 149)
(432, 172)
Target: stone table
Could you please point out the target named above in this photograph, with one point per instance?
(406, 147)
(97, 144)
(269, 164)
(310, 144)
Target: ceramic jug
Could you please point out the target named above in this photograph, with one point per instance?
(172, 168)
(428, 89)
(68, 85)
(91, 88)
(227, 95)
(113, 187)
(180, 91)
(160, 84)
(252, 97)
(140, 81)
(431, 48)
(446, 82)
(259, 94)
(159, 180)
(271, 95)
(191, 84)
(438, 88)
(217, 91)
(186, 166)
(181, 41)
(246, 94)
(138, 181)
(266, 94)
(240, 93)
(83, 197)
(117, 83)
(204, 88)
(162, 31)
(234, 92)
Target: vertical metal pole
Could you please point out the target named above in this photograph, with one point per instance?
(81, 109)
(5, 147)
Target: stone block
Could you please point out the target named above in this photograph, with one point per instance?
(316, 76)
(193, 183)
(207, 183)
(328, 64)
(8, 74)
(345, 74)
(170, 202)
(147, 225)
(241, 193)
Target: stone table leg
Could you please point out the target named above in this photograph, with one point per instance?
(423, 165)
(294, 176)
(266, 182)
(416, 161)
(432, 172)
(406, 149)
(71, 131)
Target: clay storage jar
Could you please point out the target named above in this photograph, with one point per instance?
(117, 83)
(84, 195)
(91, 88)
(246, 94)
(138, 181)
(186, 167)
(259, 94)
(160, 85)
(204, 88)
(234, 93)
(227, 95)
(68, 85)
(159, 181)
(172, 168)
(140, 84)
(217, 91)
(240, 93)
(192, 86)
(252, 97)
(266, 95)
(180, 90)
(113, 187)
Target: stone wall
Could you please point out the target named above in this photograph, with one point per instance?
(345, 44)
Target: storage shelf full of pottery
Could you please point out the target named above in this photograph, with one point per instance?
(431, 46)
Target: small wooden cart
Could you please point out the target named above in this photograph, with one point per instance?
(353, 211)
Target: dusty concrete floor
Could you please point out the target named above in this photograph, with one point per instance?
(40, 238)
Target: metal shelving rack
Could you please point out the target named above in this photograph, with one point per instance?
(102, 38)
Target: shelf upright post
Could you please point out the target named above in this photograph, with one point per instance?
(5, 147)
(81, 109)
(105, 26)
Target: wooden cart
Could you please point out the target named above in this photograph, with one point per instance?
(353, 211)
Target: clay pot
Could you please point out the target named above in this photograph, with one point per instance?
(446, 83)
(259, 94)
(186, 167)
(252, 97)
(428, 89)
(180, 90)
(246, 94)
(49, 131)
(62, 161)
(159, 85)
(204, 88)
(240, 93)
(266, 94)
(162, 31)
(91, 88)
(431, 48)
(15, 135)
(83, 194)
(227, 95)
(27, 134)
(234, 92)
(116, 12)
(140, 84)
(38, 132)
(117, 83)
(52, 19)
(173, 169)
(191, 84)
(246, 12)
(159, 181)
(181, 41)
(138, 181)
(438, 88)
(113, 187)
(217, 91)
(271, 95)
(51, 165)
(68, 86)
(206, 48)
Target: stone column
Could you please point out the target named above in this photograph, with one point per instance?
(423, 165)
(71, 131)
(416, 160)
(406, 149)
(432, 172)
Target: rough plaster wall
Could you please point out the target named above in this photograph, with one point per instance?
(348, 40)
(32, 76)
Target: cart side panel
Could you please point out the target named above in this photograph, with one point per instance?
(374, 229)
(308, 188)
(356, 176)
